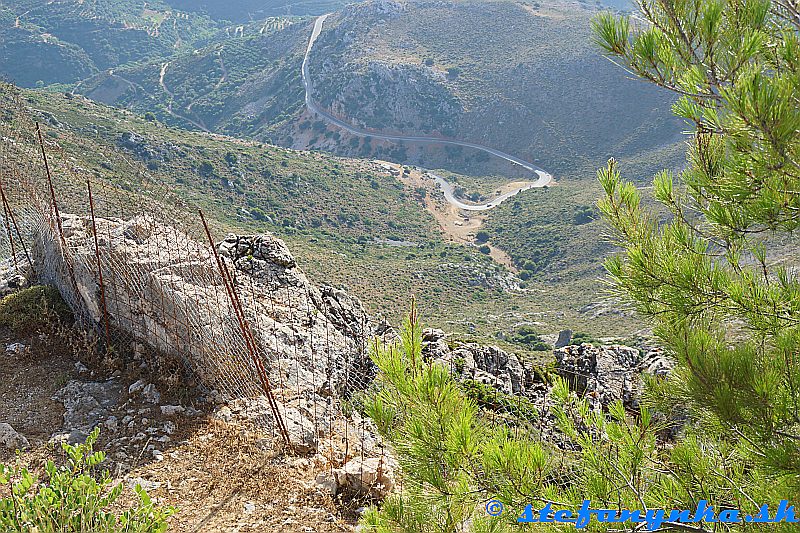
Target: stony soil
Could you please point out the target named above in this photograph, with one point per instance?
(219, 476)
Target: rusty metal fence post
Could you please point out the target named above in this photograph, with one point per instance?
(247, 334)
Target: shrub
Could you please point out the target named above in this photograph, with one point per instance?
(579, 338)
(73, 499)
(33, 310)
(206, 169)
(529, 337)
(583, 215)
(493, 399)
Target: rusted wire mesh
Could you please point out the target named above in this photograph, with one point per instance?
(156, 281)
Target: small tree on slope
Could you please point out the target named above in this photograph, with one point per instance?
(712, 279)
(717, 280)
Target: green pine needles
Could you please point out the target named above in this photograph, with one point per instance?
(713, 268)
(717, 279)
(455, 457)
(71, 499)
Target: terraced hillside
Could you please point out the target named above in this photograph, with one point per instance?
(66, 41)
(247, 10)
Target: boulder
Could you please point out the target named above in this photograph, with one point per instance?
(564, 338)
(10, 439)
(164, 289)
(372, 477)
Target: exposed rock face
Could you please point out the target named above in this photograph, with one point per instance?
(487, 364)
(607, 374)
(317, 335)
(166, 291)
(564, 338)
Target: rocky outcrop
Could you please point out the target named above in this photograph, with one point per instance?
(564, 338)
(142, 148)
(606, 374)
(316, 335)
(164, 289)
(487, 364)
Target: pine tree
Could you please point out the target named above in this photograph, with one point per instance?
(712, 270)
(717, 278)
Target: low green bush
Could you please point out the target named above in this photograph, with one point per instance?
(530, 338)
(493, 399)
(34, 309)
(73, 499)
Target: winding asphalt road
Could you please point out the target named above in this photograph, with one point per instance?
(543, 178)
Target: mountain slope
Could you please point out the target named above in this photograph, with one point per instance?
(246, 81)
(247, 10)
(68, 40)
(521, 77)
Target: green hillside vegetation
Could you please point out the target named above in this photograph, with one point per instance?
(245, 82)
(332, 212)
(522, 77)
(556, 233)
(246, 183)
(64, 42)
(720, 432)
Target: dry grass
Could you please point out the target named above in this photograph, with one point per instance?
(223, 479)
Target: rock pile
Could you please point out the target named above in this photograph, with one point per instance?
(487, 364)
(605, 374)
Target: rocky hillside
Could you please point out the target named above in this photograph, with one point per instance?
(199, 448)
(341, 217)
(519, 76)
(246, 10)
(246, 81)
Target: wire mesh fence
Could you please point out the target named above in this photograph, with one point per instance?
(158, 281)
